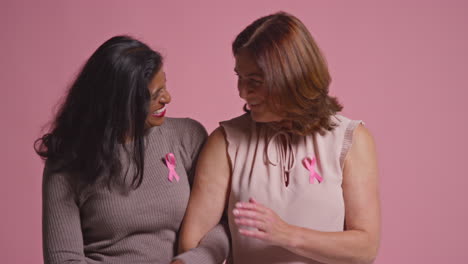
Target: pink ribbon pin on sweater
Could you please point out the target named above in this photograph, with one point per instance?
(171, 164)
(309, 163)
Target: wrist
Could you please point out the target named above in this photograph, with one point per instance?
(290, 237)
(294, 238)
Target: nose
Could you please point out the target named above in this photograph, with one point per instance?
(165, 97)
(243, 88)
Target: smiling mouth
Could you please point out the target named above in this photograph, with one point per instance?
(160, 112)
(253, 105)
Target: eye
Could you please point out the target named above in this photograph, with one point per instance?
(156, 95)
(256, 83)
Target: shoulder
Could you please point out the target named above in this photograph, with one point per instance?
(53, 175)
(342, 131)
(218, 136)
(342, 136)
(363, 141)
(57, 182)
(361, 162)
(237, 127)
(343, 126)
(239, 122)
(353, 128)
(188, 132)
(186, 124)
(183, 127)
(353, 138)
(232, 134)
(342, 122)
(184, 133)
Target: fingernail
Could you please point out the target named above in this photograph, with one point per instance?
(235, 211)
(238, 204)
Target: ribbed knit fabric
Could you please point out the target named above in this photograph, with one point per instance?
(137, 226)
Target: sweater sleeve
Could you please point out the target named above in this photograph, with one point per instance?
(61, 228)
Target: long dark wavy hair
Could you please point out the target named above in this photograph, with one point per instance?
(104, 109)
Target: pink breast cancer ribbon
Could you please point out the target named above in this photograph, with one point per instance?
(171, 164)
(310, 166)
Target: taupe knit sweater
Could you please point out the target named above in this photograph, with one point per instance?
(137, 226)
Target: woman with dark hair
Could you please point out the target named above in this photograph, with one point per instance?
(118, 172)
(299, 180)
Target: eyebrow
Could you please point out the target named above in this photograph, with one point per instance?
(251, 74)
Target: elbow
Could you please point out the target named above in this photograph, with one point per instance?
(367, 252)
(184, 245)
(364, 260)
(365, 256)
(186, 242)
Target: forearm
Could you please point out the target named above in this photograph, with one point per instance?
(353, 246)
(197, 225)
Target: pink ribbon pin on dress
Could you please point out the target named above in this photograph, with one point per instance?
(310, 163)
(171, 164)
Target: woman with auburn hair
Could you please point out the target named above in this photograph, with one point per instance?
(117, 176)
(299, 180)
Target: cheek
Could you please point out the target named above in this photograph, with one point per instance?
(262, 91)
(153, 104)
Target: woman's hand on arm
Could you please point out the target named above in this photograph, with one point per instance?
(358, 243)
(209, 193)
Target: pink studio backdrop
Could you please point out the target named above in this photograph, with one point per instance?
(399, 65)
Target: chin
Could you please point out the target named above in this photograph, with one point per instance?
(156, 122)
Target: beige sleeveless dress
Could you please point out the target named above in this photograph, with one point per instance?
(275, 168)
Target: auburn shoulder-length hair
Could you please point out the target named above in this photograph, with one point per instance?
(295, 71)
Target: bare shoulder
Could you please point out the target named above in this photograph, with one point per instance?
(362, 138)
(216, 140)
(215, 151)
(218, 135)
(213, 162)
(361, 161)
